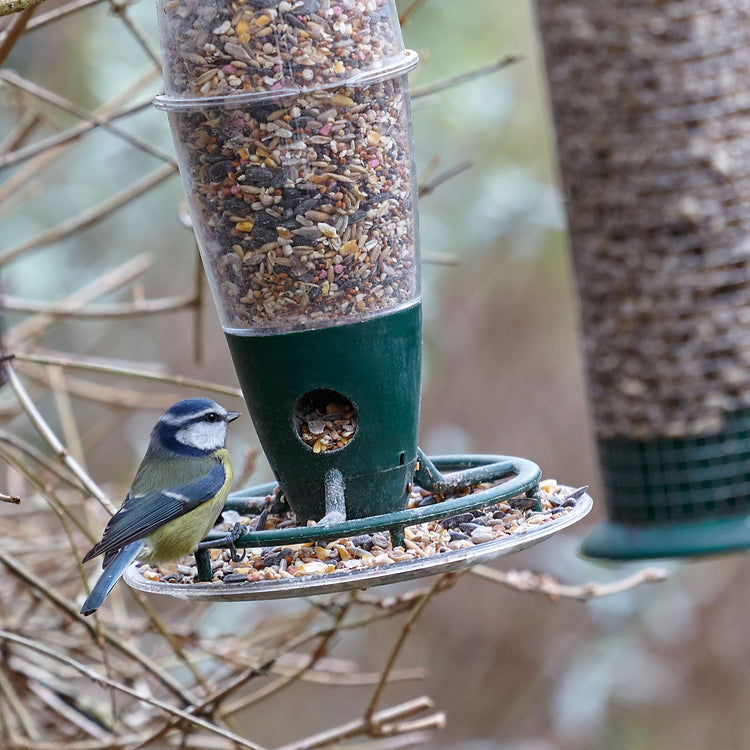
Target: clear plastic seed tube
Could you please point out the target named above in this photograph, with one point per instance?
(293, 133)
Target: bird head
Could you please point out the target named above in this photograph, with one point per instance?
(193, 425)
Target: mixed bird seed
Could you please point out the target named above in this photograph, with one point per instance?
(302, 197)
(328, 427)
(260, 46)
(498, 520)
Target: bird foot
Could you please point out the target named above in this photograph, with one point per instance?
(226, 541)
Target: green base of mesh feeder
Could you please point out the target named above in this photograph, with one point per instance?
(676, 497)
(517, 476)
(613, 541)
(372, 367)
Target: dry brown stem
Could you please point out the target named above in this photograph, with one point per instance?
(542, 583)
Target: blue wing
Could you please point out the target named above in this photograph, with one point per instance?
(143, 513)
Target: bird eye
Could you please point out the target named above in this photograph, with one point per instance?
(212, 416)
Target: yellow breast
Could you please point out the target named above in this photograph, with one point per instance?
(181, 536)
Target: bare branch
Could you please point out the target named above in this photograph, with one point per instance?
(435, 182)
(91, 216)
(156, 306)
(17, 28)
(361, 726)
(45, 431)
(107, 282)
(447, 83)
(406, 629)
(60, 12)
(89, 364)
(406, 16)
(540, 583)
(16, 6)
(60, 602)
(44, 145)
(101, 679)
(13, 79)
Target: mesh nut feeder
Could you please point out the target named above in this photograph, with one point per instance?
(659, 253)
(293, 133)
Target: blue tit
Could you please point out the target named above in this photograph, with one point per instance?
(176, 497)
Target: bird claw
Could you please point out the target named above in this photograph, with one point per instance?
(227, 541)
(234, 534)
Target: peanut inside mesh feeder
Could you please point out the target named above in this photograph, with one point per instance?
(293, 133)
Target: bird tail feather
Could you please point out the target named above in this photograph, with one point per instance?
(110, 576)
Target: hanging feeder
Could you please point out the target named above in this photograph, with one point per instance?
(644, 103)
(293, 133)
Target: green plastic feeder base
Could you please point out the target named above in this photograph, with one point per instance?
(373, 368)
(620, 541)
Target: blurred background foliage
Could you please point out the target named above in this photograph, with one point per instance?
(658, 667)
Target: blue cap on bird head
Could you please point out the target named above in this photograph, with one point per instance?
(192, 426)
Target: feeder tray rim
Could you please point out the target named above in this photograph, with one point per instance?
(346, 580)
(407, 61)
(404, 570)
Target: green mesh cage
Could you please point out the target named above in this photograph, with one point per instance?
(676, 479)
(669, 497)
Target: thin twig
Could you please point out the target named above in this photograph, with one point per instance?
(435, 182)
(447, 83)
(45, 431)
(36, 455)
(68, 712)
(12, 499)
(23, 129)
(540, 583)
(170, 639)
(113, 743)
(66, 415)
(10, 158)
(120, 8)
(102, 679)
(61, 12)
(406, 629)
(17, 706)
(114, 396)
(234, 683)
(13, 79)
(97, 365)
(13, 34)
(360, 726)
(156, 306)
(15, 6)
(93, 215)
(60, 509)
(406, 16)
(58, 600)
(104, 284)
(356, 678)
(286, 680)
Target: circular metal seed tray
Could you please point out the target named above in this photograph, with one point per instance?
(346, 580)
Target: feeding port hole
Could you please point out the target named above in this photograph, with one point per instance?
(325, 420)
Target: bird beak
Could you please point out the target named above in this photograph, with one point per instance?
(232, 415)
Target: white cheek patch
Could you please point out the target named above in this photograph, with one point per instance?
(205, 436)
